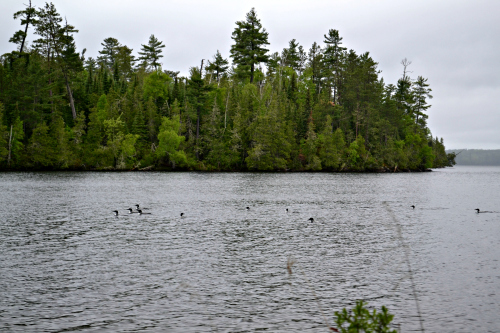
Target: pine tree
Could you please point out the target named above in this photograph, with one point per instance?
(291, 56)
(421, 92)
(332, 59)
(151, 53)
(57, 41)
(248, 50)
(197, 92)
(109, 52)
(315, 63)
(219, 65)
(125, 61)
(28, 16)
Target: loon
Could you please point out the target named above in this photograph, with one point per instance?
(137, 207)
(182, 214)
(413, 206)
(477, 209)
(248, 208)
(311, 219)
(131, 211)
(141, 213)
(116, 212)
(287, 210)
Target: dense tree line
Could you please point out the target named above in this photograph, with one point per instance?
(325, 108)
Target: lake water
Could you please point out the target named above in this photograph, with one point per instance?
(66, 263)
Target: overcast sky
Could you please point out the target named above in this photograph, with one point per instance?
(453, 43)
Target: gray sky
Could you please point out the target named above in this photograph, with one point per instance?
(453, 43)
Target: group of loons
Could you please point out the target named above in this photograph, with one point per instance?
(139, 211)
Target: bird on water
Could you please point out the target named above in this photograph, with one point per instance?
(182, 214)
(131, 211)
(248, 208)
(412, 206)
(141, 213)
(477, 210)
(116, 212)
(311, 219)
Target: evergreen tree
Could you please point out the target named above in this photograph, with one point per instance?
(310, 149)
(109, 51)
(57, 41)
(248, 50)
(332, 59)
(28, 16)
(219, 65)
(41, 147)
(315, 63)
(197, 91)
(151, 53)
(291, 56)
(421, 92)
(60, 142)
(124, 61)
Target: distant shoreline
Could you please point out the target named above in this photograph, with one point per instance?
(487, 157)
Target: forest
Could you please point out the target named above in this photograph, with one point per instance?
(326, 108)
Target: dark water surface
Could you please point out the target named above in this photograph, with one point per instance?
(66, 263)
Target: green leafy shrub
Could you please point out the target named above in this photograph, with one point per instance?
(360, 319)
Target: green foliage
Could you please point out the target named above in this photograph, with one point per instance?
(357, 154)
(151, 53)
(156, 86)
(41, 147)
(270, 147)
(249, 47)
(16, 137)
(218, 66)
(169, 142)
(325, 109)
(4, 137)
(109, 52)
(128, 151)
(114, 134)
(310, 149)
(361, 320)
(332, 147)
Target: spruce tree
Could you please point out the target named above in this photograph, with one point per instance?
(249, 47)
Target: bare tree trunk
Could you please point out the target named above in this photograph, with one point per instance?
(26, 29)
(225, 111)
(10, 146)
(198, 113)
(71, 101)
